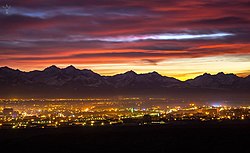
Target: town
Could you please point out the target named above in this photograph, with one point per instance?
(56, 113)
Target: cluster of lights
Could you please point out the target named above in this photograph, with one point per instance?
(58, 113)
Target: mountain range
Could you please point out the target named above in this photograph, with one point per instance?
(72, 82)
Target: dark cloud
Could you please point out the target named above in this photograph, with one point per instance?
(162, 48)
(226, 4)
(223, 21)
(150, 61)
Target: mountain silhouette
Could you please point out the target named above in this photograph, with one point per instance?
(70, 82)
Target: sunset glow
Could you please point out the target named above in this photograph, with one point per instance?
(180, 39)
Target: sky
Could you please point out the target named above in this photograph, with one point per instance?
(181, 39)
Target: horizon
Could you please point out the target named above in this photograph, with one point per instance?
(61, 68)
(181, 39)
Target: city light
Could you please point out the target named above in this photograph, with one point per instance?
(56, 113)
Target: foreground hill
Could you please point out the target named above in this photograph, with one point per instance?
(183, 137)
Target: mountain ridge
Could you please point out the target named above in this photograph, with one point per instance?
(72, 81)
(130, 71)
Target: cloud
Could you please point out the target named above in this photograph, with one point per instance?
(120, 31)
(222, 21)
(166, 36)
(149, 61)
